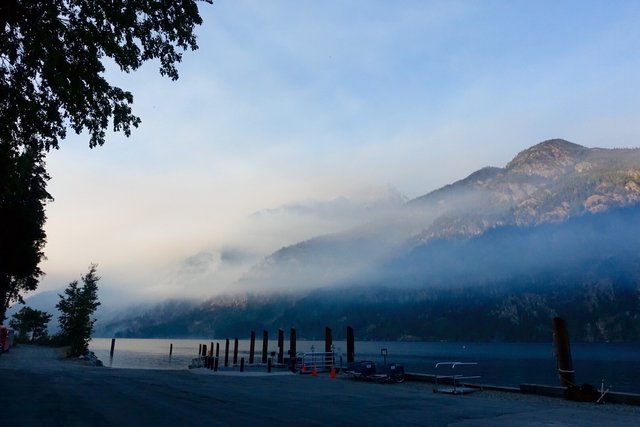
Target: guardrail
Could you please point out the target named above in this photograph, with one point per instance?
(320, 361)
(454, 380)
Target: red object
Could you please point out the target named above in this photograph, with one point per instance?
(3, 336)
(6, 338)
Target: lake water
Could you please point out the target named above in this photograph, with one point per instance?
(507, 364)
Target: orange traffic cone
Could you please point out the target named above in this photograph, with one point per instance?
(314, 372)
(332, 374)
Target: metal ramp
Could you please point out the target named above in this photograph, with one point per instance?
(453, 383)
(316, 361)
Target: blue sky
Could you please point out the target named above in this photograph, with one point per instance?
(289, 101)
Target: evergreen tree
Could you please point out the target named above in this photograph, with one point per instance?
(77, 306)
(29, 321)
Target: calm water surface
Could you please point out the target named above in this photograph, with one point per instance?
(498, 363)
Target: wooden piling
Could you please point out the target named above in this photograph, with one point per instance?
(292, 348)
(113, 346)
(170, 349)
(235, 352)
(217, 352)
(215, 364)
(252, 347)
(226, 353)
(350, 345)
(566, 374)
(242, 364)
(280, 346)
(328, 346)
(199, 349)
(269, 365)
(204, 350)
(211, 349)
(265, 345)
(328, 339)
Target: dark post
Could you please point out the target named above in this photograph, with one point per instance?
(328, 339)
(217, 350)
(235, 352)
(350, 345)
(265, 345)
(199, 349)
(215, 365)
(328, 343)
(252, 347)
(292, 349)
(211, 349)
(113, 346)
(170, 349)
(563, 353)
(242, 364)
(280, 346)
(269, 366)
(204, 349)
(226, 353)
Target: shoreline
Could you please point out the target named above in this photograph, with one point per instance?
(87, 395)
(503, 364)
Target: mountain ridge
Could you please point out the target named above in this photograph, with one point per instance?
(597, 291)
(548, 182)
(557, 215)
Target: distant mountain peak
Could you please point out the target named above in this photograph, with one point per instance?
(548, 159)
(556, 146)
(559, 143)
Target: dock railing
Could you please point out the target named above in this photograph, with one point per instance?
(320, 361)
(453, 380)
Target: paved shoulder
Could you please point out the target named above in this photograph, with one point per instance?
(33, 357)
(41, 389)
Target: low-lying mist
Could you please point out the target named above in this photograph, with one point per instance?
(508, 283)
(224, 265)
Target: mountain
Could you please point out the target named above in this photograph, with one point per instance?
(549, 182)
(492, 256)
(367, 202)
(506, 284)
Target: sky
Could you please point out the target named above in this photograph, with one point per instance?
(294, 102)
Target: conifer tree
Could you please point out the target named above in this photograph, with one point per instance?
(77, 306)
(30, 323)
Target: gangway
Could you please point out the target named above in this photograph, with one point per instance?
(454, 379)
(320, 361)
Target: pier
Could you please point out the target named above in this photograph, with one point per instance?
(452, 380)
